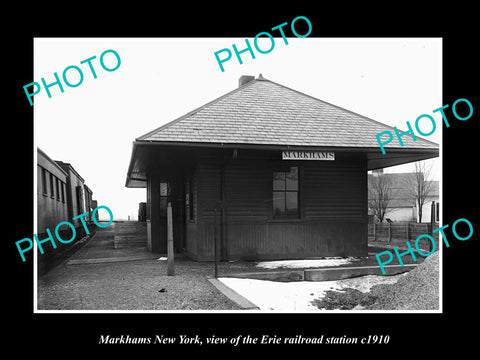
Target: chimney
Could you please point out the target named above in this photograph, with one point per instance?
(245, 79)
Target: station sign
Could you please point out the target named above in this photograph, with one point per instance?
(307, 155)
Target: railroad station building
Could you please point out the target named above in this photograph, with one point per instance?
(267, 171)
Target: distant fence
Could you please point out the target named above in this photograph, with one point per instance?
(401, 232)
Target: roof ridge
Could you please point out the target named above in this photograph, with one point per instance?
(347, 110)
(342, 116)
(192, 112)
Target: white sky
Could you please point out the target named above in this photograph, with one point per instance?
(93, 125)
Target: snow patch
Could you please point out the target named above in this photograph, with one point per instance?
(297, 296)
(279, 296)
(365, 283)
(302, 264)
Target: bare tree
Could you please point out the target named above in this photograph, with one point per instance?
(419, 186)
(379, 194)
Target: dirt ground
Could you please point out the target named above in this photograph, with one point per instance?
(142, 284)
(131, 285)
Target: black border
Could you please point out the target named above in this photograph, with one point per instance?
(79, 333)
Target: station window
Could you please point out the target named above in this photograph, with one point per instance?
(285, 193)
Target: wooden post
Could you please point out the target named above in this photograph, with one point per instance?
(215, 240)
(389, 232)
(170, 254)
(223, 192)
(374, 232)
(432, 222)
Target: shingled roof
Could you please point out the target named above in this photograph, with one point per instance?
(262, 112)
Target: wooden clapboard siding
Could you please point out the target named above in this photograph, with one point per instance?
(246, 192)
(282, 240)
(208, 189)
(334, 191)
(332, 203)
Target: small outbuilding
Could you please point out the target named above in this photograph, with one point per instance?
(268, 171)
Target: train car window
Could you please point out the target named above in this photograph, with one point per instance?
(79, 193)
(39, 179)
(44, 182)
(52, 189)
(57, 186)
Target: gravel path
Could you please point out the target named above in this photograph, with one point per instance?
(81, 282)
(417, 290)
(143, 284)
(131, 285)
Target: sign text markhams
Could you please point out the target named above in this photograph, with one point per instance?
(307, 155)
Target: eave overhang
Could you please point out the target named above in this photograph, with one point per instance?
(146, 154)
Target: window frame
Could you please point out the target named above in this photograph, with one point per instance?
(286, 169)
(80, 200)
(57, 188)
(44, 181)
(62, 187)
(52, 185)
